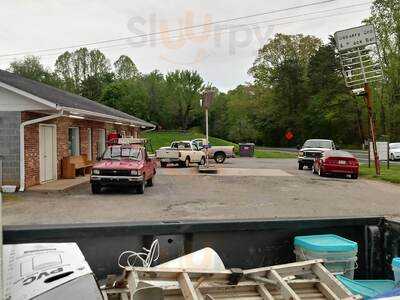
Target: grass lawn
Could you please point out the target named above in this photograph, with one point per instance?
(392, 175)
(274, 154)
(164, 139)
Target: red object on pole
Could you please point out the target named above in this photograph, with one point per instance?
(368, 100)
(289, 135)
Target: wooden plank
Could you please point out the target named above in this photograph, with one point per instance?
(330, 281)
(133, 281)
(104, 293)
(326, 291)
(292, 268)
(264, 293)
(187, 287)
(287, 292)
(124, 296)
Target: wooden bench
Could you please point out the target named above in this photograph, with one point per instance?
(73, 165)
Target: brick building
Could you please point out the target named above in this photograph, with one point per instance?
(40, 125)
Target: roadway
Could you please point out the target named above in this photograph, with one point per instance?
(362, 155)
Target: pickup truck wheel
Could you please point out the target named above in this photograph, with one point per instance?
(219, 157)
(96, 189)
(150, 182)
(163, 165)
(187, 162)
(202, 161)
(141, 187)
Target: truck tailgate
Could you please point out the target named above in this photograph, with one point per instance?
(167, 153)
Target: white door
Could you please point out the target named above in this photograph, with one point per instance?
(101, 143)
(89, 143)
(47, 152)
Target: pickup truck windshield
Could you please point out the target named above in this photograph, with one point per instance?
(395, 146)
(317, 144)
(181, 145)
(120, 153)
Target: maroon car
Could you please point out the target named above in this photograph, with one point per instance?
(123, 166)
(336, 162)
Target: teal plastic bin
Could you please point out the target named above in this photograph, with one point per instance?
(367, 288)
(396, 270)
(340, 254)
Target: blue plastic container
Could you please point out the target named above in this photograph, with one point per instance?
(367, 288)
(396, 270)
(340, 254)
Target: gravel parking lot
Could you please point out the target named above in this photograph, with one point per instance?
(274, 189)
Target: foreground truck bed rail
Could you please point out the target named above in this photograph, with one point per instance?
(243, 244)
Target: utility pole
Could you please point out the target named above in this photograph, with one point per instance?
(206, 112)
(368, 101)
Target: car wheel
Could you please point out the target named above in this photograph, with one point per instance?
(301, 166)
(141, 187)
(202, 161)
(96, 189)
(219, 157)
(163, 165)
(150, 182)
(392, 156)
(187, 162)
(354, 176)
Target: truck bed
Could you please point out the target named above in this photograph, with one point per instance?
(241, 243)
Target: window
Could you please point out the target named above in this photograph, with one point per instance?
(122, 153)
(73, 141)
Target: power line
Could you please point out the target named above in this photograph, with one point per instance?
(172, 30)
(227, 29)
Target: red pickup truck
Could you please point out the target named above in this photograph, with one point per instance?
(124, 166)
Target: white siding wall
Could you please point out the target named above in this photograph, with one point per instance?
(10, 101)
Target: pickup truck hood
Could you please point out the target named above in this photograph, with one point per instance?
(315, 149)
(118, 165)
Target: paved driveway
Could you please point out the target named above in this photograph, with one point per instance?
(251, 188)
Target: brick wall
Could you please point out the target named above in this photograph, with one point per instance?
(9, 147)
(32, 164)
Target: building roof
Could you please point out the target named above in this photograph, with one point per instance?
(63, 98)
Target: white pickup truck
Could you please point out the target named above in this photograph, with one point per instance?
(218, 153)
(182, 153)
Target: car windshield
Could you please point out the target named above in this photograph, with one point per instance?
(317, 144)
(181, 145)
(120, 153)
(395, 146)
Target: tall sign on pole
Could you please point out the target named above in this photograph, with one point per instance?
(361, 65)
(206, 102)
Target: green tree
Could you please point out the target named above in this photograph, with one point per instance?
(385, 16)
(84, 72)
(280, 49)
(184, 93)
(125, 68)
(31, 67)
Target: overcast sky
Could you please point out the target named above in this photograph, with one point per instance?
(221, 55)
